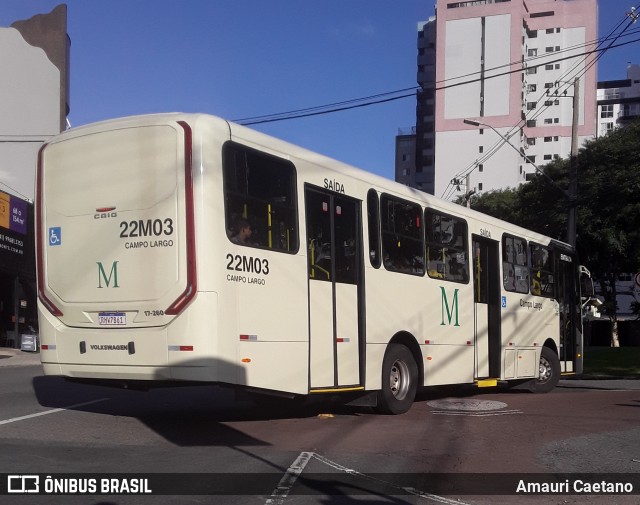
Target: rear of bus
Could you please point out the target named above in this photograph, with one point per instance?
(116, 257)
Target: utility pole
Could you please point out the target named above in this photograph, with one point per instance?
(470, 191)
(573, 167)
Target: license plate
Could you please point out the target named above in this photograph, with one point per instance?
(112, 318)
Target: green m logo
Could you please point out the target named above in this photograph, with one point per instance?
(113, 275)
(445, 307)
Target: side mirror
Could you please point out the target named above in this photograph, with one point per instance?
(586, 287)
(586, 283)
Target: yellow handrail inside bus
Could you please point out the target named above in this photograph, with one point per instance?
(312, 254)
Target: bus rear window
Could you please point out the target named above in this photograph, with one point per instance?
(259, 199)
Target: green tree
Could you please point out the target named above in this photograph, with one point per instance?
(609, 211)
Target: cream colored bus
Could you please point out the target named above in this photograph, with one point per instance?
(180, 248)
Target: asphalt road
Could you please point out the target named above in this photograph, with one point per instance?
(281, 455)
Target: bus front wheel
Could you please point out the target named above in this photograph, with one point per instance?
(399, 380)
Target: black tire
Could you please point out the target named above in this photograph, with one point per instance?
(399, 381)
(549, 373)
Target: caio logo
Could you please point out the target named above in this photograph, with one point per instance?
(105, 213)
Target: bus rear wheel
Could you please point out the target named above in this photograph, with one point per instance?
(549, 373)
(399, 381)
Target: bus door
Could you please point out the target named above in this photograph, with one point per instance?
(334, 249)
(570, 320)
(487, 307)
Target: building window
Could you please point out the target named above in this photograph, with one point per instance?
(531, 105)
(531, 142)
(480, 167)
(480, 149)
(606, 111)
(531, 88)
(547, 157)
(542, 14)
(548, 139)
(548, 67)
(532, 52)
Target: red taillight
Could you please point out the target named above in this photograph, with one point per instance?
(192, 283)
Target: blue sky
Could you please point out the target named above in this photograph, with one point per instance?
(244, 58)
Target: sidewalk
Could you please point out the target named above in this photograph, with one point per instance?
(16, 357)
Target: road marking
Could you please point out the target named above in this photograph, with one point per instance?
(289, 479)
(46, 412)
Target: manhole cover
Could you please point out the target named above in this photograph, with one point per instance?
(466, 404)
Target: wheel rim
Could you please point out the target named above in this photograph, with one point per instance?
(545, 370)
(399, 380)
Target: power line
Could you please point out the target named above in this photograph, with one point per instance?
(377, 99)
(388, 96)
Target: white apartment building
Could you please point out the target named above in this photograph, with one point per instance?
(508, 66)
(619, 101)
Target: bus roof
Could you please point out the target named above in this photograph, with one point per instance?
(288, 150)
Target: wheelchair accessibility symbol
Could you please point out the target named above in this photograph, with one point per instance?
(55, 236)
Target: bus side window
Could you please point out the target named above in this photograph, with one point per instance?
(373, 218)
(447, 247)
(402, 236)
(542, 278)
(259, 189)
(515, 269)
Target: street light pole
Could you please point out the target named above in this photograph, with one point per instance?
(506, 139)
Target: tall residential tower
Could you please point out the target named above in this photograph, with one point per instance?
(508, 66)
